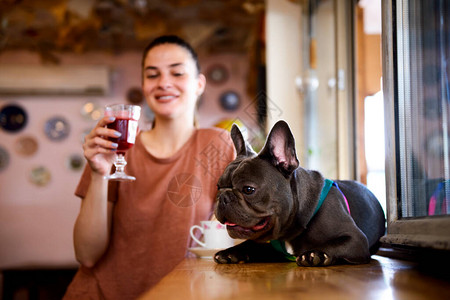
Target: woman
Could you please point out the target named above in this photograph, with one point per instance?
(128, 235)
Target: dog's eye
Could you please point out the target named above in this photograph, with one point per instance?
(248, 190)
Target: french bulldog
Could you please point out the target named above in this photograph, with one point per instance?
(284, 211)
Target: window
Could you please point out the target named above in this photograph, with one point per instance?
(416, 66)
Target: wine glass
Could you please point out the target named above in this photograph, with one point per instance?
(126, 122)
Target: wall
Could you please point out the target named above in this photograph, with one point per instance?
(36, 222)
(283, 43)
(237, 67)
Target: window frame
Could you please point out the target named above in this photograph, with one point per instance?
(424, 232)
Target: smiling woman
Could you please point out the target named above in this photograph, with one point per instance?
(128, 227)
(171, 83)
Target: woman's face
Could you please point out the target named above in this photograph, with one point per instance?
(171, 83)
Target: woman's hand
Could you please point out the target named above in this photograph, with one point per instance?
(98, 150)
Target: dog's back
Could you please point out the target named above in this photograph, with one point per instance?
(368, 215)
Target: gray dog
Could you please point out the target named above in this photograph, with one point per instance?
(286, 212)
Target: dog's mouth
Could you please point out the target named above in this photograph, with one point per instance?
(238, 231)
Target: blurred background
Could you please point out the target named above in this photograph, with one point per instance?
(61, 61)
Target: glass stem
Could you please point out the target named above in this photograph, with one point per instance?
(120, 163)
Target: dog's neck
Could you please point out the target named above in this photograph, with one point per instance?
(309, 187)
(292, 222)
(306, 185)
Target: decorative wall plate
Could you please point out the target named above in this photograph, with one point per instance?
(4, 158)
(26, 145)
(217, 74)
(230, 101)
(134, 95)
(57, 128)
(40, 176)
(75, 162)
(13, 118)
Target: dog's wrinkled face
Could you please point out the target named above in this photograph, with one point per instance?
(254, 196)
(244, 203)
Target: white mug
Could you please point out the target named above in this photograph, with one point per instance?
(214, 233)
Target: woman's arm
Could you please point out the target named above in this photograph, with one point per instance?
(93, 224)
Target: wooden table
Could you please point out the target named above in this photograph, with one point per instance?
(383, 278)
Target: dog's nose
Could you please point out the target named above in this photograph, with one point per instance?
(225, 198)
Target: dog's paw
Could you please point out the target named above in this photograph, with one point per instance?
(314, 259)
(230, 256)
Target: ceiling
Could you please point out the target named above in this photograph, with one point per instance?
(50, 27)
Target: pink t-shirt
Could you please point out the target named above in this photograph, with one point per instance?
(152, 216)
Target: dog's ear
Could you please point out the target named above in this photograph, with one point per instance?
(241, 145)
(279, 149)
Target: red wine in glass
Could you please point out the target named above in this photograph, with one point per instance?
(128, 128)
(126, 123)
